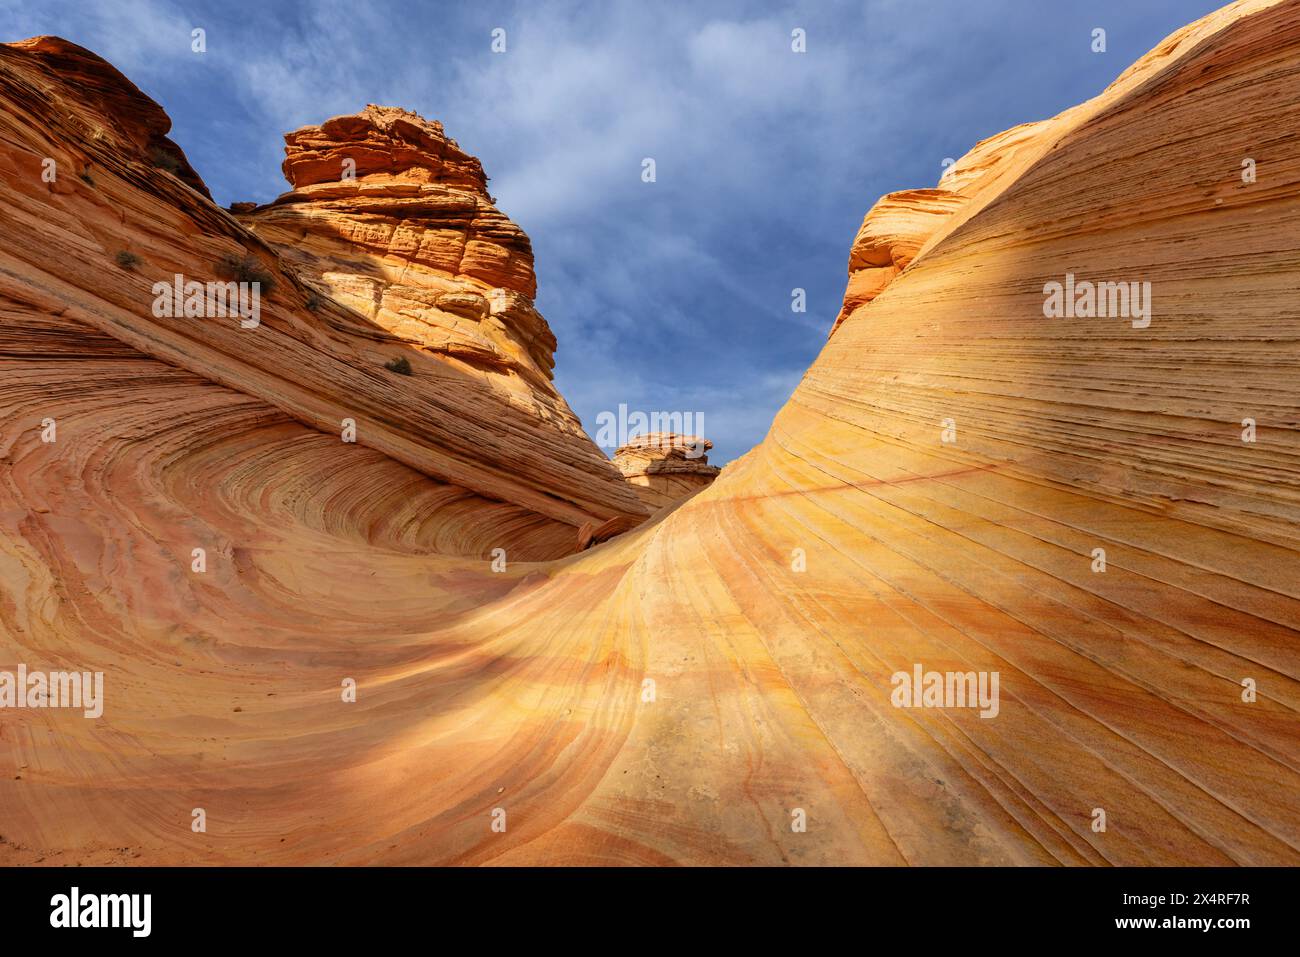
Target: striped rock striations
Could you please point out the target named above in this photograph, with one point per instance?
(959, 484)
(892, 233)
(125, 211)
(390, 217)
(664, 468)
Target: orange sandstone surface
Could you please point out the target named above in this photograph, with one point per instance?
(686, 690)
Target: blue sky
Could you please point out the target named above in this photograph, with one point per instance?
(673, 295)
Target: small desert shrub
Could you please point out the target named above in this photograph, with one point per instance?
(161, 159)
(314, 301)
(245, 269)
(399, 365)
(127, 260)
(85, 177)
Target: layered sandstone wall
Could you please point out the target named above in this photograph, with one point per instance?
(934, 494)
(389, 216)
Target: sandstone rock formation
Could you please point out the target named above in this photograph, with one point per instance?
(390, 217)
(665, 468)
(770, 612)
(892, 233)
(125, 211)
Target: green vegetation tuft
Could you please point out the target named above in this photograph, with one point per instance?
(246, 269)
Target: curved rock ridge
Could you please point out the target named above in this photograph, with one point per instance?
(959, 485)
(902, 225)
(892, 233)
(125, 212)
(116, 124)
(665, 468)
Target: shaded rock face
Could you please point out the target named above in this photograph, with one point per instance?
(771, 613)
(664, 468)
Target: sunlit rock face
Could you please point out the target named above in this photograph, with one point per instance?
(664, 468)
(959, 485)
(892, 233)
(389, 216)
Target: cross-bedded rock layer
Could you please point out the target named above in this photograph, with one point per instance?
(125, 211)
(392, 218)
(769, 613)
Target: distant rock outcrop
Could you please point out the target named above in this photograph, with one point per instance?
(664, 468)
